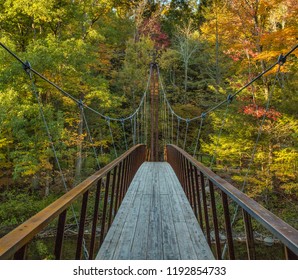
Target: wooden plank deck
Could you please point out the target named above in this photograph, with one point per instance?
(155, 221)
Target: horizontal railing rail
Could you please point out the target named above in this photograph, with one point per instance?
(195, 178)
(109, 185)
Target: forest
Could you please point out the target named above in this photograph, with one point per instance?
(100, 51)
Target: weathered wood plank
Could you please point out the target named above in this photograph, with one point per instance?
(139, 243)
(150, 180)
(169, 238)
(155, 248)
(163, 175)
(199, 242)
(172, 180)
(185, 243)
(177, 211)
(156, 190)
(108, 247)
(186, 208)
(155, 220)
(123, 249)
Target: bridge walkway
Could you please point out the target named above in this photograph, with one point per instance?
(155, 221)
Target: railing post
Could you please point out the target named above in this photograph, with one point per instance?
(187, 186)
(112, 195)
(228, 225)
(198, 197)
(215, 221)
(184, 174)
(191, 187)
(130, 170)
(82, 225)
(250, 243)
(177, 161)
(118, 187)
(60, 235)
(290, 255)
(205, 208)
(21, 253)
(193, 190)
(124, 171)
(104, 211)
(95, 218)
(128, 167)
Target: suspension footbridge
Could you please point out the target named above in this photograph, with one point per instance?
(155, 201)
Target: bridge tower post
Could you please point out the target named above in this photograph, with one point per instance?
(154, 98)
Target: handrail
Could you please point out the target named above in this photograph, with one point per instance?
(124, 168)
(186, 166)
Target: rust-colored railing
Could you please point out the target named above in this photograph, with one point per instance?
(109, 185)
(195, 178)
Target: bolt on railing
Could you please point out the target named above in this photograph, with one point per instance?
(109, 184)
(195, 179)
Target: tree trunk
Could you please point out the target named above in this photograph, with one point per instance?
(47, 187)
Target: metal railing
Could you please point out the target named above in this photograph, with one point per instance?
(195, 178)
(109, 185)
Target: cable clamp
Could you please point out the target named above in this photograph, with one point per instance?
(230, 98)
(27, 67)
(81, 104)
(203, 115)
(281, 59)
(187, 121)
(154, 65)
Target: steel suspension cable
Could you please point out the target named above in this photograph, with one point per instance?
(198, 137)
(167, 122)
(27, 68)
(124, 134)
(261, 126)
(178, 128)
(112, 137)
(138, 127)
(163, 121)
(135, 129)
(220, 131)
(71, 96)
(142, 126)
(260, 130)
(144, 103)
(90, 137)
(172, 127)
(186, 131)
(282, 58)
(145, 122)
(132, 131)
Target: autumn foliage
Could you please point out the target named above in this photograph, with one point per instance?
(100, 52)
